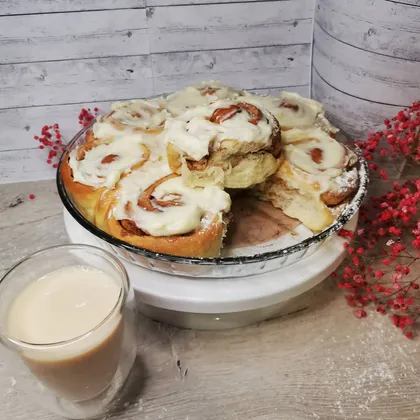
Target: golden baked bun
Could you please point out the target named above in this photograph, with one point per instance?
(317, 172)
(121, 181)
(232, 144)
(118, 142)
(151, 208)
(137, 116)
(95, 166)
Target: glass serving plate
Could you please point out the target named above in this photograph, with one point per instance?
(248, 261)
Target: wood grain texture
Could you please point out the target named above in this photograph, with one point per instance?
(23, 7)
(248, 68)
(61, 36)
(189, 2)
(57, 55)
(21, 124)
(355, 116)
(64, 82)
(303, 90)
(379, 26)
(406, 2)
(368, 76)
(238, 25)
(365, 60)
(321, 363)
(26, 165)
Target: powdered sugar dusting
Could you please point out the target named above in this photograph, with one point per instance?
(347, 180)
(374, 369)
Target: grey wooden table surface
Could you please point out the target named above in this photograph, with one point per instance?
(316, 362)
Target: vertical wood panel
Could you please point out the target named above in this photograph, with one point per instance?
(366, 60)
(353, 115)
(378, 26)
(367, 75)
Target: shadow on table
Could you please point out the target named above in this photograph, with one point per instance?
(132, 390)
(312, 300)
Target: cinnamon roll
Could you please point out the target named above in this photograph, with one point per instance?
(136, 116)
(317, 173)
(151, 208)
(200, 94)
(90, 169)
(293, 111)
(232, 144)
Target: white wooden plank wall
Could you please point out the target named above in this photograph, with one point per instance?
(59, 55)
(366, 60)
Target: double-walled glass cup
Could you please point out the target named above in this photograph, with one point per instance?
(81, 377)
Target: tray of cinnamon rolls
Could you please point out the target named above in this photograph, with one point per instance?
(212, 181)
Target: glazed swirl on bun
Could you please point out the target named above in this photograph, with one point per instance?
(293, 111)
(230, 143)
(317, 173)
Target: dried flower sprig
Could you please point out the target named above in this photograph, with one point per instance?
(86, 116)
(399, 139)
(389, 224)
(51, 138)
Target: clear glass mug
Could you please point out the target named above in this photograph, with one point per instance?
(73, 383)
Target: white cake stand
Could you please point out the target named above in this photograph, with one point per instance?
(209, 304)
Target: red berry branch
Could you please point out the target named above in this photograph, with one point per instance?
(383, 264)
(86, 116)
(51, 137)
(399, 139)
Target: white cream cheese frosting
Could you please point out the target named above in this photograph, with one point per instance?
(200, 94)
(133, 116)
(291, 110)
(315, 158)
(194, 133)
(103, 165)
(193, 204)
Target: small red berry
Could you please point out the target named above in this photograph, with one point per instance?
(360, 313)
(31, 196)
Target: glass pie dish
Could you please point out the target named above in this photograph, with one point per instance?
(244, 261)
